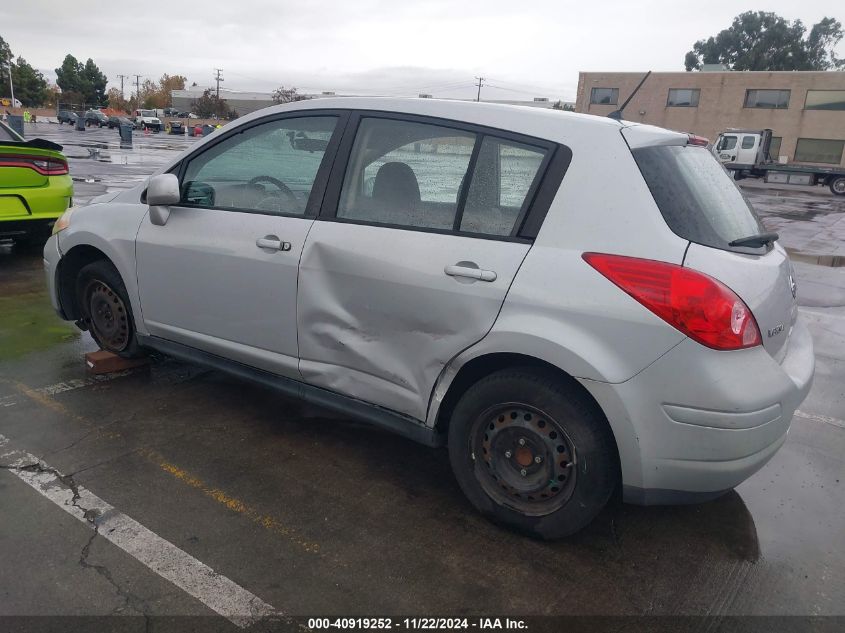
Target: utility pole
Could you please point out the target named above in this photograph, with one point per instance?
(138, 91)
(11, 83)
(122, 77)
(478, 95)
(218, 79)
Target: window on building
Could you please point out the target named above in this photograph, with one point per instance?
(825, 100)
(604, 96)
(818, 150)
(774, 148)
(683, 97)
(771, 99)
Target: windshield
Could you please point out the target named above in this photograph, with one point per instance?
(697, 198)
(148, 113)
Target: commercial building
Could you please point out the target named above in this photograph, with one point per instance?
(805, 110)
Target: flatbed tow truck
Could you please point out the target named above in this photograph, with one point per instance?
(746, 154)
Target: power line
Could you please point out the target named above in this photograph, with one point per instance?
(218, 79)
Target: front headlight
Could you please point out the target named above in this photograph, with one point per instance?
(64, 220)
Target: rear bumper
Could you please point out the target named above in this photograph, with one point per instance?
(704, 420)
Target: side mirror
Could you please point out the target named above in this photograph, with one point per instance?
(162, 192)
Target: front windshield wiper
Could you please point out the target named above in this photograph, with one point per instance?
(755, 240)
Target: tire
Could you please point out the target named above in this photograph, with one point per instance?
(837, 186)
(100, 290)
(578, 467)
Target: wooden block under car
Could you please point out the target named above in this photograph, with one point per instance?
(103, 362)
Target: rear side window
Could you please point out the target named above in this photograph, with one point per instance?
(500, 184)
(747, 142)
(697, 198)
(406, 174)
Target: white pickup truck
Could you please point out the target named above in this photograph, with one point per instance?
(147, 120)
(746, 153)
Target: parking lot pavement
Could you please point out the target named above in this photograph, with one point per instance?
(313, 514)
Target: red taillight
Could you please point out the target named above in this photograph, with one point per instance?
(701, 307)
(44, 165)
(693, 139)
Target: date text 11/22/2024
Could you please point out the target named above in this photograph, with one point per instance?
(429, 624)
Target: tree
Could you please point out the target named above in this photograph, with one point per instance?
(84, 83)
(759, 40)
(117, 101)
(96, 81)
(560, 105)
(210, 105)
(159, 95)
(29, 84)
(286, 95)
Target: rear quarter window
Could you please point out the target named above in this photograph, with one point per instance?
(695, 195)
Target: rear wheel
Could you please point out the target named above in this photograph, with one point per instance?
(520, 442)
(837, 185)
(106, 310)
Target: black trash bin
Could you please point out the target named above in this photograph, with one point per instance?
(125, 133)
(207, 129)
(16, 123)
(80, 123)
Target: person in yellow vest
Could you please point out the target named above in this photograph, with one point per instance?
(27, 117)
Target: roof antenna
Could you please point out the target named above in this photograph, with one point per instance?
(617, 114)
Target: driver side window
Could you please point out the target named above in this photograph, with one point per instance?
(268, 168)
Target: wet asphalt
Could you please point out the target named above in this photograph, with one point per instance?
(318, 515)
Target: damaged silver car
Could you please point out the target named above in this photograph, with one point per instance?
(571, 303)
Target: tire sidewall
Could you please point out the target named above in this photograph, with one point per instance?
(595, 452)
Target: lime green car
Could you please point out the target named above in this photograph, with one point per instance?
(35, 187)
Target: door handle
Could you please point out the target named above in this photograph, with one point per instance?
(272, 242)
(470, 270)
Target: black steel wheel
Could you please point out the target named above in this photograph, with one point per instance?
(529, 458)
(108, 317)
(520, 442)
(837, 186)
(105, 309)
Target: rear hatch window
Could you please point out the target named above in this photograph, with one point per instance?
(697, 198)
(701, 203)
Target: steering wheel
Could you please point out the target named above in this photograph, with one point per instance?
(279, 184)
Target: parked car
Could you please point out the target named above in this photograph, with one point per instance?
(35, 188)
(176, 127)
(184, 115)
(67, 116)
(95, 117)
(116, 121)
(171, 112)
(571, 303)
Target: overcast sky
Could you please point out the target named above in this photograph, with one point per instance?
(525, 48)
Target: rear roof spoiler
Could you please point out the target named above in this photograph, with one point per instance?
(36, 143)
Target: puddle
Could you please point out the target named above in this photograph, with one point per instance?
(28, 324)
(833, 261)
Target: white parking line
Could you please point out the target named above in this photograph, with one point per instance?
(168, 561)
(820, 418)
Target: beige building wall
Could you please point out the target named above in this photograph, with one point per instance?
(721, 103)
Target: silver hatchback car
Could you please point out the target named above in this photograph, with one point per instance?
(572, 303)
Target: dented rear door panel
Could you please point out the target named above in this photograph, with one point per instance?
(378, 318)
